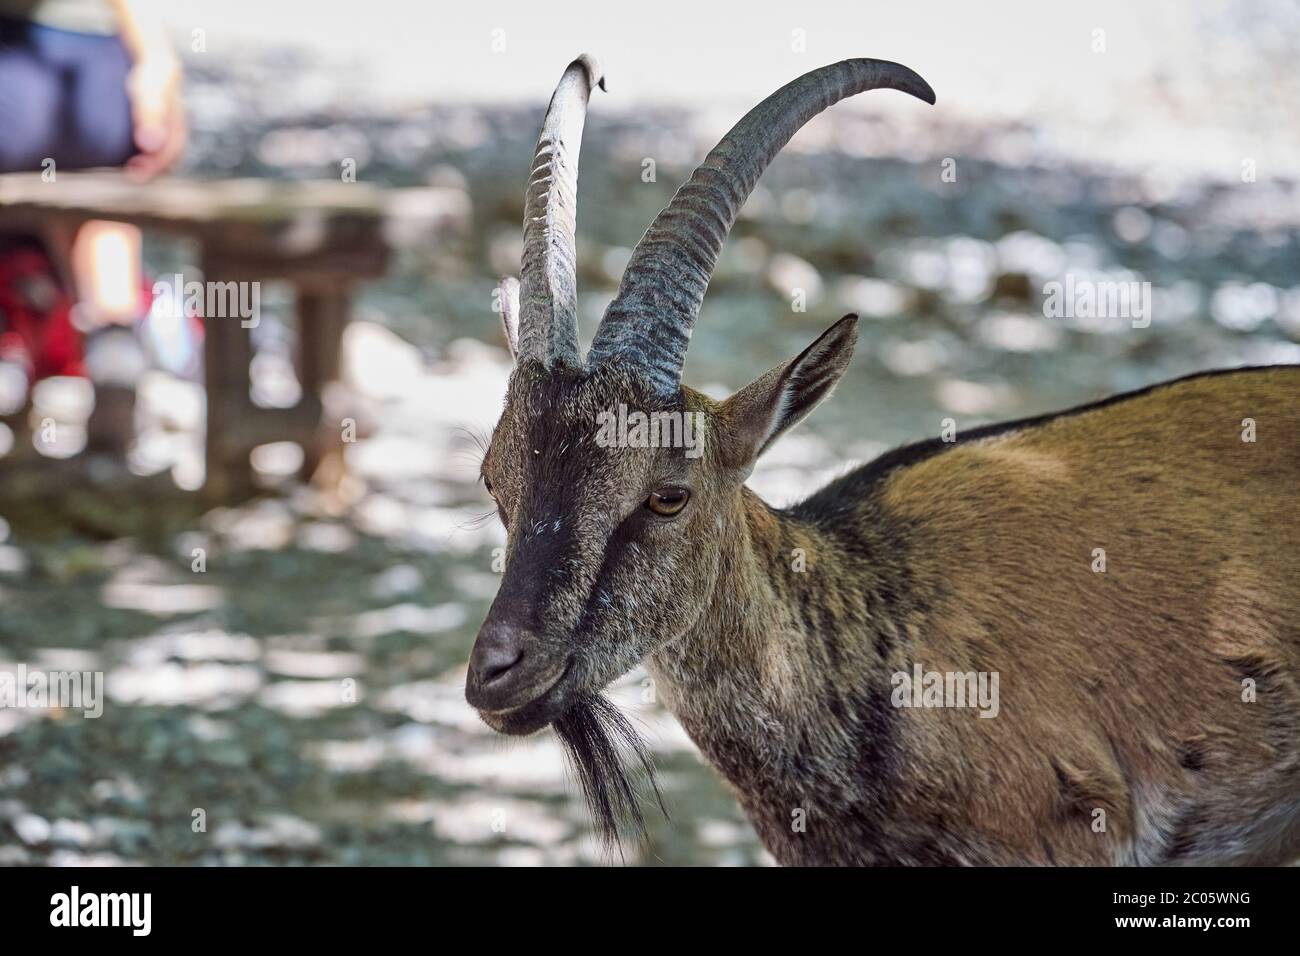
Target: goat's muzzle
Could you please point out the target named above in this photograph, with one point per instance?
(514, 681)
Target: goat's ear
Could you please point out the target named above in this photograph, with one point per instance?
(763, 410)
(508, 296)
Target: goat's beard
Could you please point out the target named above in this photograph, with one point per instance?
(603, 749)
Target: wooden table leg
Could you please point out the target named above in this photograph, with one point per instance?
(227, 355)
(322, 316)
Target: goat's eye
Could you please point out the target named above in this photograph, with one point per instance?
(501, 511)
(668, 501)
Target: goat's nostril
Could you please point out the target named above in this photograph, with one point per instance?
(495, 655)
(498, 665)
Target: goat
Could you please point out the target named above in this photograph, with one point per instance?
(1145, 712)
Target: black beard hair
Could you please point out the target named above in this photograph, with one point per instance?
(601, 745)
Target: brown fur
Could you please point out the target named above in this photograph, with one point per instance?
(980, 558)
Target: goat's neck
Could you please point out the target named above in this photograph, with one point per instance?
(782, 681)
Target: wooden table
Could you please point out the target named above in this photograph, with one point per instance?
(322, 237)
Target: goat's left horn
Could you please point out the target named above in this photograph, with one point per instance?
(650, 320)
(548, 315)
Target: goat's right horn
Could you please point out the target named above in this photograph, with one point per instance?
(548, 295)
(650, 320)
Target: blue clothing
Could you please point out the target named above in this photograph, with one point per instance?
(62, 97)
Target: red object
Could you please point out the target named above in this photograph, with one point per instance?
(36, 327)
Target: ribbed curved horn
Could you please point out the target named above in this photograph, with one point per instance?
(650, 320)
(548, 316)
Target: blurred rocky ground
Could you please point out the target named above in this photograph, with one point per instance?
(231, 690)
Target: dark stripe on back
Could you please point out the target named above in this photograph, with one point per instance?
(830, 503)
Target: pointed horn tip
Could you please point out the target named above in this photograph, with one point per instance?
(595, 72)
(909, 81)
(900, 77)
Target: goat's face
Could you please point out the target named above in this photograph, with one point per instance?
(612, 546)
(616, 502)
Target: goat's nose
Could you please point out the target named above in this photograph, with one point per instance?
(495, 653)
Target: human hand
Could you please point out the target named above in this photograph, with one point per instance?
(157, 112)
